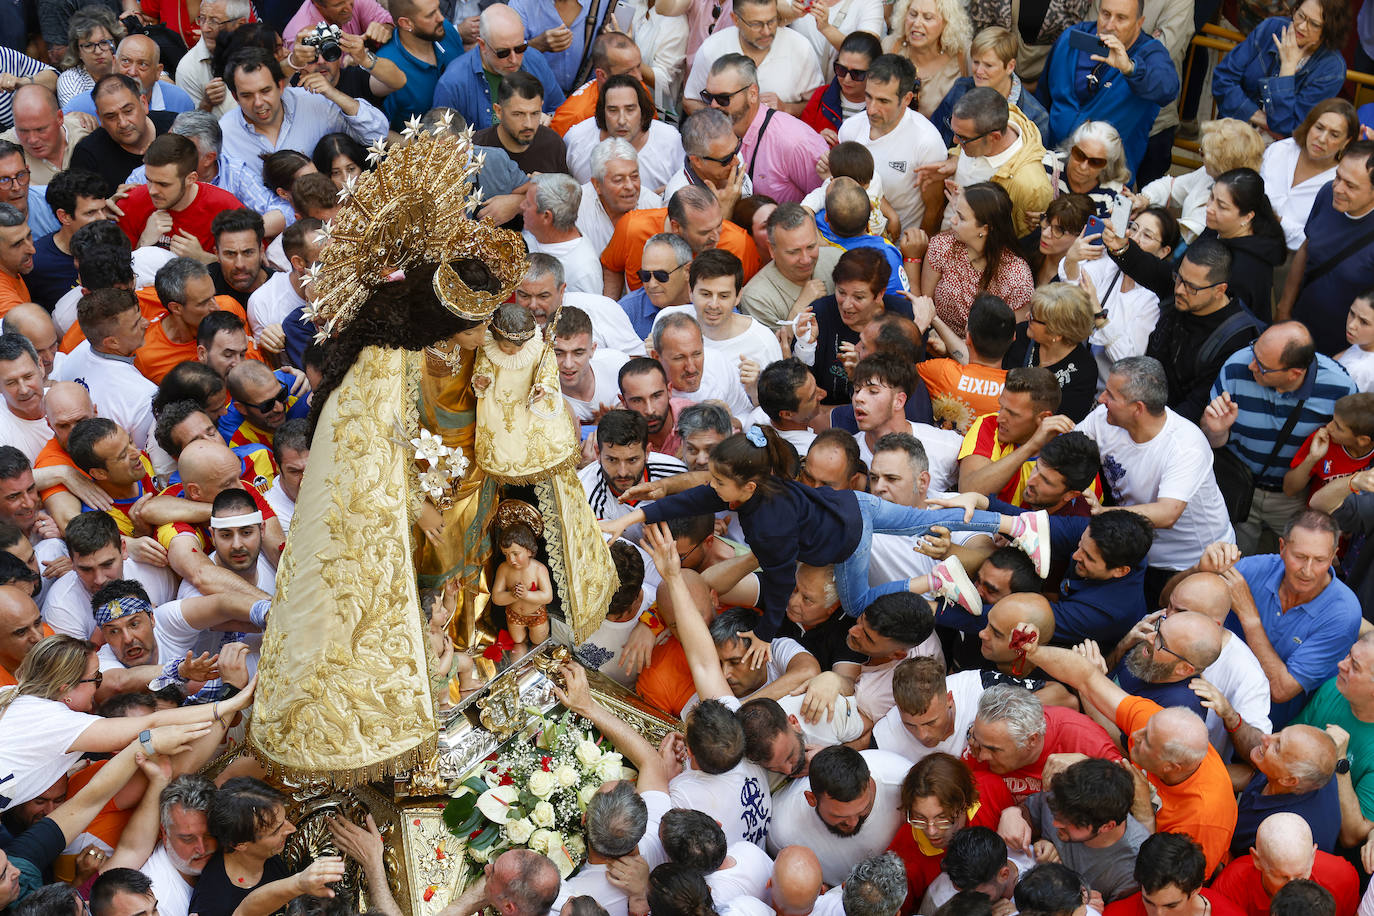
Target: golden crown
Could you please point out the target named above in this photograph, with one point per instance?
(413, 208)
(512, 511)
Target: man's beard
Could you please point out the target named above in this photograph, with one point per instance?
(836, 831)
(1151, 671)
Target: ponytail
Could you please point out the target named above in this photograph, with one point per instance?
(758, 455)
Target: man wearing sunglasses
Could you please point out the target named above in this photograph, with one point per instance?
(998, 143)
(788, 69)
(264, 400)
(470, 84)
(712, 159)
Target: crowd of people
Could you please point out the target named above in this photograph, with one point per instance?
(925, 402)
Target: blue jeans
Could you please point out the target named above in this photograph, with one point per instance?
(883, 517)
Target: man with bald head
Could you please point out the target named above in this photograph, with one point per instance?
(62, 487)
(262, 403)
(35, 323)
(1179, 648)
(1284, 852)
(138, 58)
(21, 628)
(796, 883)
(844, 222)
(1170, 745)
(1254, 394)
(833, 461)
(47, 135)
(469, 84)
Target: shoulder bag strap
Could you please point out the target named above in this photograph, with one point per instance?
(758, 141)
(1284, 433)
(1316, 273)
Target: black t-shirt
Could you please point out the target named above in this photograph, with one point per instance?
(546, 153)
(98, 152)
(216, 895)
(222, 287)
(354, 82)
(826, 641)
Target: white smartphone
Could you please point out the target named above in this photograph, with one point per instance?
(1121, 214)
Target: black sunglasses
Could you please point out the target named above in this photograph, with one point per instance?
(720, 99)
(503, 53)
(727, 158)
(844, 72)
(660, 275)
(281, 397)
(99, 677)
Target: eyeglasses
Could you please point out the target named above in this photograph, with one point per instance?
(760, 25)
(8, 181)
(1163, 646)
(929, 824)
(1264, 370)
(660, 275)
(214, 23)
(964, 141)
(99, 677)
(1192, 288)
(1138, 230)
(281, 397)
(720, 99)
(503, 53)
(90, 47)
(849, 73)
(1081, 157)
(1300, 17)
(726, 159)
(1050, 228)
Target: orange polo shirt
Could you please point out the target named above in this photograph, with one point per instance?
(14, 291)
(577, 107)
(148, 304)
(160, 354)
(625, 251)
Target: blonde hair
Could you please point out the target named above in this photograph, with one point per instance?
(1000, 41)
(954, 37)
(51, 668)
(1065, 310)
(1229, 143)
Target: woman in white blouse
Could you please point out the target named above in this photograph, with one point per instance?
(1295, 168)
(625, 110)
(662, 41)
(825, 25)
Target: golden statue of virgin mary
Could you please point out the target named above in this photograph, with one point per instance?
(393, 499)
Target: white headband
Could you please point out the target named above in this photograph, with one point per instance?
(236, 521)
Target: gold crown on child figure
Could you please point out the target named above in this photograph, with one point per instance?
(413, 208)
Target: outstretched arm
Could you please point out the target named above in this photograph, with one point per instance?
(691, 628)
(1071, 669)
(577, 696)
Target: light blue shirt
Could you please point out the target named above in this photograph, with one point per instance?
(42, 220)
(306, 118)
(539, 16)
(241, 181)
(166, 97)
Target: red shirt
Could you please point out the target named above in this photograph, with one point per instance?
(195, 219)
(1337, 463)
(1066, 732)
(1134, 906)
(1240, 883)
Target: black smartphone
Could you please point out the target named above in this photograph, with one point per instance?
(1087, 42)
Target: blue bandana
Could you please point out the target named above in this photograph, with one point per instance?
(120, 607)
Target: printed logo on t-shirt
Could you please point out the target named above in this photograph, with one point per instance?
(897, 166)
(756, 819)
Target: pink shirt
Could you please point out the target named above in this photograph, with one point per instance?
(699, 23)
(365, 12)
(785, 168)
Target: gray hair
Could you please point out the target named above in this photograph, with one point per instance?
(201, 128)
(876, 886)
(14, 345)
(560, 195)
(543, 264)
(789, 216)
(682, 252)
(236, 9)
(1143, 380)
(172, 277)
(740, 64)
(11, 217)
(985, 107)
(1017, 707)
(702, 127)
(609, 150)
(905, 442)
(190, 790)
(668, 323)
(616, 820)
(1109, 137)
(702, 418)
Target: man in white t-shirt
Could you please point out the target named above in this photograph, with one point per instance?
(543, 291)
(99, 556)
(788, 668)
(882, 385)
(847, 809)
(1159, 465)
(895, 627)
(933, 711)
(788, 69)
(588, 375)
(790, 399)
(899, 137)
(977, 859)
(550, 214)
(694, 372)
(284, 291)
(623, 459)
(23, 422)
(615, 189)
(622, 819)
(184, 845)
(104, 362)
(236, 532)
(291, 448)
(694, 839)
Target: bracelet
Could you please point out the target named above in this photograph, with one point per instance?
(650, 620)
(1232, 729)
(911, 260)
(1352, 484)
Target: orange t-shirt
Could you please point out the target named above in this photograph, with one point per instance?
(960, 394)
(577, 107)
(53, 455)
(7, 678)
(1203, 805)
(624, 253)
(109, 824)
(666, 682)
(160, 355)
(148, 304)
(14, 291)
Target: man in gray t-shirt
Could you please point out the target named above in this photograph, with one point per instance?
(1085, 813)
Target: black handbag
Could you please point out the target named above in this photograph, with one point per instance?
(1234, 477)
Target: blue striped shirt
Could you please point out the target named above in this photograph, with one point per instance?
(1264, 411)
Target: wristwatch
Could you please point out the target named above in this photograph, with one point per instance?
(145, 738)
(1343, 766)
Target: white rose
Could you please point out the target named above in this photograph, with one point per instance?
(481, 856)
(519, 831)
(542, 815)
(588, 753)
(609, 767)
(584, 796)
(542, 784)
(543, 840)
(567, 775)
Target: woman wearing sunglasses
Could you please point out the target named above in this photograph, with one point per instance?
(843, 96)
(1092, 162)
(941, 797)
